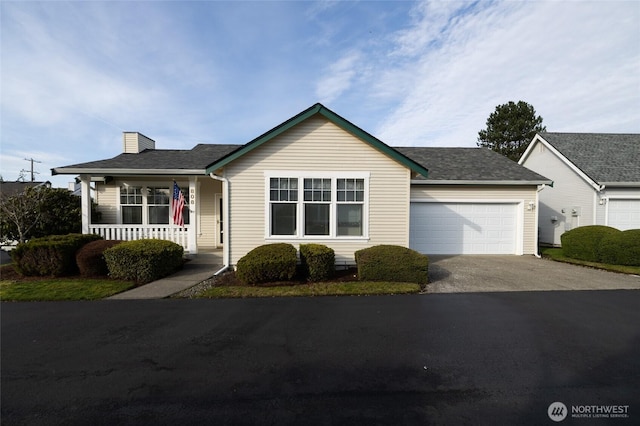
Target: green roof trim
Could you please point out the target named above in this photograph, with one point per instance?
(335, 119)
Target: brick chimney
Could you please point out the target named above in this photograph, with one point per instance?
(135, 142)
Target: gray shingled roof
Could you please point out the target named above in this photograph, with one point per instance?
(169, 159)
(604, 157)
(469, 164)
(444, 164)
(13, 188)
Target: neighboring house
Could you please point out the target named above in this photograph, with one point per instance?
(13, 188)
(596, 181)
(316, 178)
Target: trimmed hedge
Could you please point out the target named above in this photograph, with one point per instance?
(318, 261)
(392, 263)
(54, 255)
(268, 263)
(143, 261)
(584, 242)
(621, 248)
(90, 258)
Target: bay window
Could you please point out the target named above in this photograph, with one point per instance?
(310, 206)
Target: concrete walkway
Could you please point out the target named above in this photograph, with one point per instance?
(201, 267)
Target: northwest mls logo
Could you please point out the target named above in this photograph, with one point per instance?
(557, 411)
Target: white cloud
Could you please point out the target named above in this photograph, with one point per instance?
(570, 61)
(339, 78)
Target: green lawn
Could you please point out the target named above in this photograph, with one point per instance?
(61, 289)
(557, 255)
(317, 289)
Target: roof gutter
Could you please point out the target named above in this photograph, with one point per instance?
(225, 232)
(127, 172)
(620, 184)
(479, 182)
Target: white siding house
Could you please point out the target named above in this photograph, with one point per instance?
(596, 181)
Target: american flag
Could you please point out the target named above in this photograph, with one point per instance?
(177, 205)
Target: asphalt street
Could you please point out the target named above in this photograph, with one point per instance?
(476, 358)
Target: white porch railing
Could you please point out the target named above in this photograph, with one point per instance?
(141, 232)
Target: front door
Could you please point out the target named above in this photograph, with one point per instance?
(219, 220)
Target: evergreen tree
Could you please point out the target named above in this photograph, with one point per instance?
(510, 129)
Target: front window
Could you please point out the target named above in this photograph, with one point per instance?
(148, 205)
(158, 205)
(316, 207)
(350, 205)
(317, 202)
(131, 204)
(283, 196)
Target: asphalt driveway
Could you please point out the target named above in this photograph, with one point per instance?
(457, 274)
(444, 359)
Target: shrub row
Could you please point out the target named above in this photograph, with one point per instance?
(90, 258)
(54, 255)
(602, 244)
(392, 263)
(268, 263)
(318, 262)
(143, 261)
(277, 262)
(622, 248)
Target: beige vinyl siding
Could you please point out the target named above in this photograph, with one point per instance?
(523, 194)
(105, 197)
(134, 142)
(569, 190)
(317, 145)
(208, 226)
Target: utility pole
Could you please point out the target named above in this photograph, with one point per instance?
(33, 179)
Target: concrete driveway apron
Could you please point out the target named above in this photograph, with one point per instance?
(471, 273)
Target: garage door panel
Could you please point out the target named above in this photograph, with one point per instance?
(624, 214)
(463, 228)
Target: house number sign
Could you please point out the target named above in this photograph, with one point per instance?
(192, 196)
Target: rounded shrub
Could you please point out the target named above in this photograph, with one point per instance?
(90, 258)
(621, 248)
(392, 263)
(584, 242)
(318, 261)
(268, 263)
(143, 261)
(54, 255)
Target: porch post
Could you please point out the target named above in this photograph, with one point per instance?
(85, 200)
(192, 198)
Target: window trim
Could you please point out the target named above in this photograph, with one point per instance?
(300, 203)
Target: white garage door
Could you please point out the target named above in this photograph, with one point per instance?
(624, 214)
(463, 228)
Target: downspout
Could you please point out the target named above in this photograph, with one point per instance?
(225, 233)
(537, 219)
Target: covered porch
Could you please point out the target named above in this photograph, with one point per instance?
(146, 200)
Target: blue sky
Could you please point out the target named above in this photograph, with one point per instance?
(74, 75)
